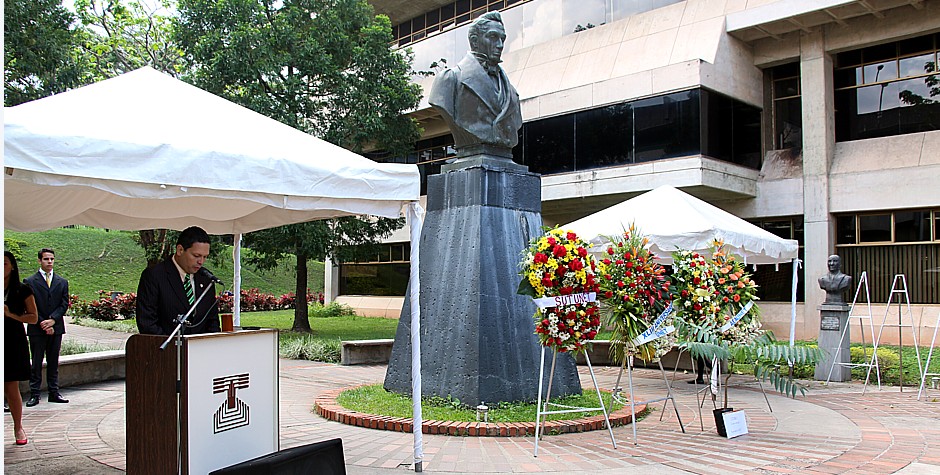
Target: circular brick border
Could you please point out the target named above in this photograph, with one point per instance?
(327, 407)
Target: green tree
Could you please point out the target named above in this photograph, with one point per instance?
(321, 66)
(121, 36)
(39, 47)
(343, 238)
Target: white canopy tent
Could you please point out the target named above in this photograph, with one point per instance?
(674, 220)
(144, 150)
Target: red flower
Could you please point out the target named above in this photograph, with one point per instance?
(547, 281)
(571, 236)
(540, 258)
(608, 294)
(610, 251)
(582, 252)
(737, 298)
(606, 261)
(620, 284)
(551, 242)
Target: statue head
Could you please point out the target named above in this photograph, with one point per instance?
(487, 37)
(835, 264)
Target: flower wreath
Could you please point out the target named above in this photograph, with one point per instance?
(633, 290)
(710, 292)
(555, 264)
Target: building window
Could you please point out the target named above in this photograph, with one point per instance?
(697, 121)
(889, 243)
(448, 16)
(888, 227)
(888, 89)
(776, 281)
(386, 275)
(787, 106)
(693, 122)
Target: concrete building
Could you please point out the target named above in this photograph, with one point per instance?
(818, 120)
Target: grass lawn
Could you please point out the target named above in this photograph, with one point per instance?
(338, 328)
(376, 400)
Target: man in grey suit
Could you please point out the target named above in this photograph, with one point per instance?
(45, 337)
(475, 97)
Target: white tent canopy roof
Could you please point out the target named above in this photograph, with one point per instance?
(675, 220)
(144, 150)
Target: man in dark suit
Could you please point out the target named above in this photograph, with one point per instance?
(45, 336)
(168, 289)
(476, 99)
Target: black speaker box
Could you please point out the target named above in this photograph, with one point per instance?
(320, 458)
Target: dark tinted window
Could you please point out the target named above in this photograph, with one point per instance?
(911, 226)
(874, 228)
(604, 137)
(887, 89)
(666, 126)
(549, 144)
(845, 230)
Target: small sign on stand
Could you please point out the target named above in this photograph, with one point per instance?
(735, 423)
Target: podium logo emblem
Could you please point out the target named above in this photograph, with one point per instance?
(233, 413)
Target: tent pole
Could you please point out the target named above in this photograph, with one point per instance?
(237, 281)
(416, 221)
(796, 266)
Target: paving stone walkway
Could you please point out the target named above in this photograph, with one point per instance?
(834, 429)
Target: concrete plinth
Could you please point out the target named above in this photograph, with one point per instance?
(833, 318)
(477, 335)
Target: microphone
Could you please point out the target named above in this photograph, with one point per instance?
(205, 273)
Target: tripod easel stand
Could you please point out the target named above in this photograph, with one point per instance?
(543, 410)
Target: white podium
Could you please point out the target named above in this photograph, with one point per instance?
(228, 401)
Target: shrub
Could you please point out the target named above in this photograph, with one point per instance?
(253, 300)
(334, 309)
(110, 306)
(71, 347)
(887, 360)
(306, 347)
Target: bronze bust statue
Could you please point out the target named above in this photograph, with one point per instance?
(475, 97)
(835, 282)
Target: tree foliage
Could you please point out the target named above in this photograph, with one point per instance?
(321, 66)
(119, 36)
(39, 46)
(336, 238)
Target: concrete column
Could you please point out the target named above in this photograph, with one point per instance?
(818, 150)
(330, 281)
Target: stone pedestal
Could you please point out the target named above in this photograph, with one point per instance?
(477, 335)
(833, 318)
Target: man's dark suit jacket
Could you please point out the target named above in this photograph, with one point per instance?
(467, 100)
(51, 302)
(161, 298)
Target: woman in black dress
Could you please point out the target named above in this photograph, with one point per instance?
(19, 307)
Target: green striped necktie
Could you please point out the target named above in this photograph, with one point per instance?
(188, 287)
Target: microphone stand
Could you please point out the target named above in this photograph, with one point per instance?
(177, 335)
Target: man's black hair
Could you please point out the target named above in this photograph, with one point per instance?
(45, 250)
(192, 235)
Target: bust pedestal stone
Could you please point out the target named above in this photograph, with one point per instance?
(833, 318)
(477, 335)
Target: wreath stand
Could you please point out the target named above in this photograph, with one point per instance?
(715, 388)
(543, 410)
(628, 363)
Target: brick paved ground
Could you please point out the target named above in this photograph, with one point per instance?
(832, 430)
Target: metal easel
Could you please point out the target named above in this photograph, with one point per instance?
(628, 363)
(923, 378)
(543, 410)
(899, 288)
(873, 362)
